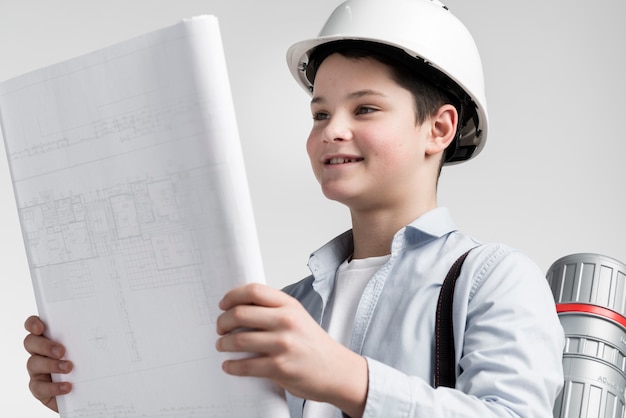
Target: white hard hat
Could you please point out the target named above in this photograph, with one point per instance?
(427, 31)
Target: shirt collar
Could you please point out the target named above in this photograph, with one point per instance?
(324, 262)
(431, 225)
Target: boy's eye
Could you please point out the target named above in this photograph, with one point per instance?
(320, 116)
(362, 110)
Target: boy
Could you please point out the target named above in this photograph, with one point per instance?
(397, 92)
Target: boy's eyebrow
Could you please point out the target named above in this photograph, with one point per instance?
(354, 95)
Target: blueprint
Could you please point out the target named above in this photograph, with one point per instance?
(136, 217)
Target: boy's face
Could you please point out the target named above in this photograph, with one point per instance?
(365, 147)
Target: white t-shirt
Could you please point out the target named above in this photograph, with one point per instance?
(352, 277)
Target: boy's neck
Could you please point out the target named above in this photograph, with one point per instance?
(373, 231)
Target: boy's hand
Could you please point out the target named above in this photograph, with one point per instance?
(293, 350)
(45, 358)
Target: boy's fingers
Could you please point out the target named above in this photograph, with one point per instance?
(34, 325)
(39, 365)
(253, 366)
(245, 316)
(46, 391)
(253, 294)
(248, 341)
(39, 345)
(36, 344)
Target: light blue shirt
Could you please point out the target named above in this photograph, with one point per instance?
(508, 338)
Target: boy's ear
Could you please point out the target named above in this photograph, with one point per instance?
(443, 129)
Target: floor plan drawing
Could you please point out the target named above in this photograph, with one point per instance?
(136, 218)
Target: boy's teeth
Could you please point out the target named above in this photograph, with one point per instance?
(340, 160)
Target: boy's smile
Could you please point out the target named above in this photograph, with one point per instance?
(341, 160)
(365, 147)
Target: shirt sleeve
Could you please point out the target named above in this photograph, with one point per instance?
(509, 345)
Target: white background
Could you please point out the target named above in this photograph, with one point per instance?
(549, 182)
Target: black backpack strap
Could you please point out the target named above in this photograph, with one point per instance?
(445, 373)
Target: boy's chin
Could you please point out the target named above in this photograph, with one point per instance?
(347, 199)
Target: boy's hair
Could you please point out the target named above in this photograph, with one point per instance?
(429, 88)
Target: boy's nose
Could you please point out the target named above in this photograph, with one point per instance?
(337, 130)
